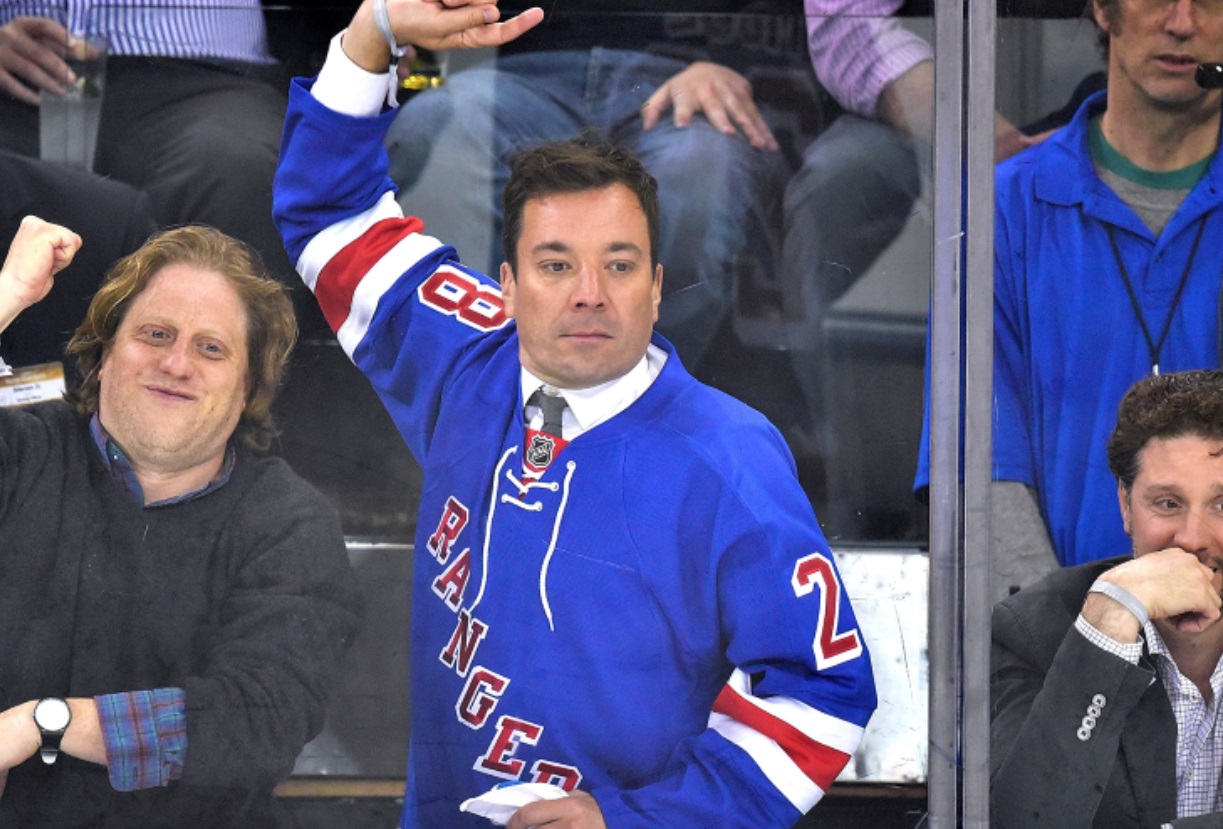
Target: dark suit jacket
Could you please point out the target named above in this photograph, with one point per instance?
(113, 219)
(1053, 764)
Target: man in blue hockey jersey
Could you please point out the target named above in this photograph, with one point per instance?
(621, 594)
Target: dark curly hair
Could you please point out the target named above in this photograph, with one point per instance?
(1187, 403)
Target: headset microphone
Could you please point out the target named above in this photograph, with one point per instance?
(1209, 75)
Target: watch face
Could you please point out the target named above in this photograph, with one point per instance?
(52, 714)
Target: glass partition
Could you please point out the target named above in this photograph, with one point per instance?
(805, 294)
(797, 278)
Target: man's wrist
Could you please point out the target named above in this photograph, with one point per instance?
(10, 309)
(364, 44)
(382, 19)
(19, 737)
(1111, 617)
(1123, 597)
(348, 88)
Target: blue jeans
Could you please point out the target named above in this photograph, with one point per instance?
(852, 197)
(449, 150)
(849, 201)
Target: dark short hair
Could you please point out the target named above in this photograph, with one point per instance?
(589, 162)
(1188, 403)
(271, 328)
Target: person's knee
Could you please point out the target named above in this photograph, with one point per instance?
(210, 155)
(413, 134)
(705, 162)
(857, 157)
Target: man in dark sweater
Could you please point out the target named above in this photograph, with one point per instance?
(173, 607)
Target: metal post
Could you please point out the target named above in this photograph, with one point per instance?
(944, 359)
(978, 407)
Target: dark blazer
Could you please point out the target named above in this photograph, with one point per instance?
(113, 219)
(1053, 762)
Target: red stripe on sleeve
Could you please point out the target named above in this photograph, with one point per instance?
(338, 279)
(819, 762)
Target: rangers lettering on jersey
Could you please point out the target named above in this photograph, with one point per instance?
(482, 692)
(499, 761)
(480, 695)
(452, 583)
(452, 522)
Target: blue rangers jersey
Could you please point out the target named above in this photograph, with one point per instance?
(656, 619)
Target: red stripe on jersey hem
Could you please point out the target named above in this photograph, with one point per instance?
(819, 762)
(339, 278)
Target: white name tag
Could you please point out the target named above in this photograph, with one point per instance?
(32, 384)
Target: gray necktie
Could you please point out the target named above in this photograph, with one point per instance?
(553, 406)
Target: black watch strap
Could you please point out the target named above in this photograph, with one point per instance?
(50, 746)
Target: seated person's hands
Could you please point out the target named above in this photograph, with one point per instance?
(1171, 584)
(721, 94)
(31, 57)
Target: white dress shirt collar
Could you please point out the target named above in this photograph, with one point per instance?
(590, 407)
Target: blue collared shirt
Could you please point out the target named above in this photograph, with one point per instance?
(121, 471)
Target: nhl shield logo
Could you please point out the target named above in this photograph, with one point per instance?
(540, 452)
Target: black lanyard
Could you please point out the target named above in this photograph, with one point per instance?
(1153, 348)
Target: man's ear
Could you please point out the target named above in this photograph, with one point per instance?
(507, 288)
(1123, 498)
(656, 291)
(1102, 16)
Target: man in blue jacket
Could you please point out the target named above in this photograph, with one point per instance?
(1106, 270)
(621, 595)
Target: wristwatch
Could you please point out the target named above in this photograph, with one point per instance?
(51, 715)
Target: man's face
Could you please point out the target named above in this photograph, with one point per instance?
(585, 297)
(175, 380)
(1155, 47)
(1177, 500)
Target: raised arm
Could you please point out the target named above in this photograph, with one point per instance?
(343, 229)
(448, 24)
(38, 252)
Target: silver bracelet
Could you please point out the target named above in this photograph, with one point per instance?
(1123, 597)
(382, 19)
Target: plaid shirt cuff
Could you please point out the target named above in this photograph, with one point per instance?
(146, 737)
(1131, 652)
